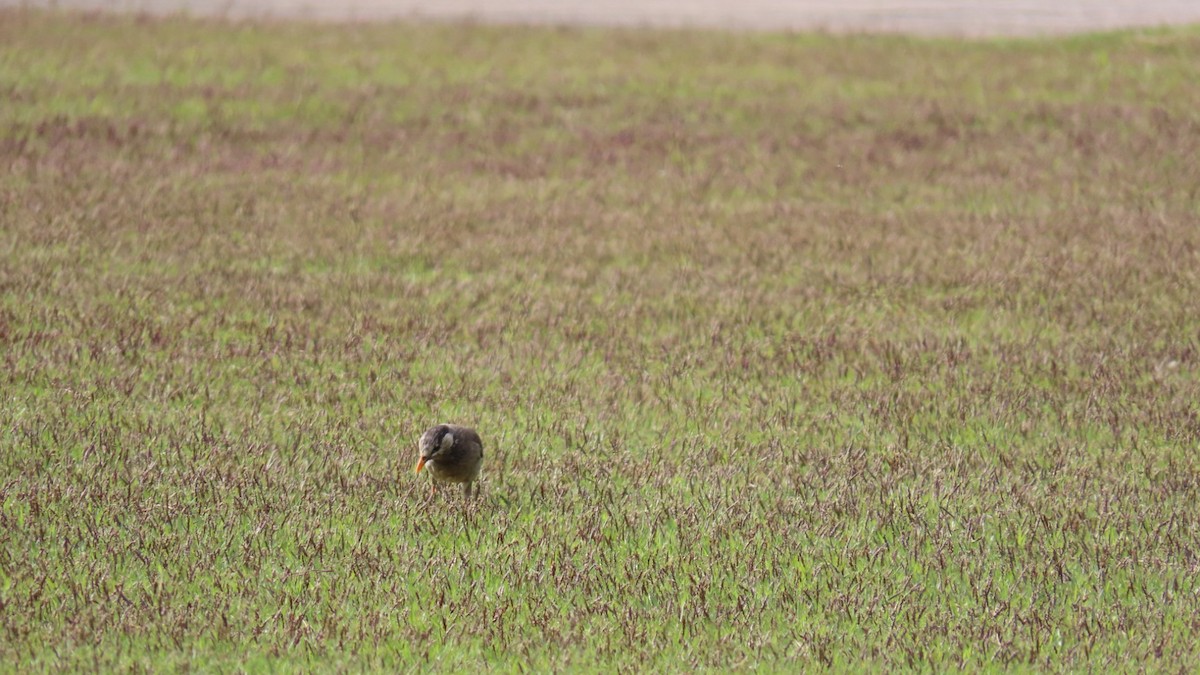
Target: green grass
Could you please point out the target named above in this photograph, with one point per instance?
(788, 351)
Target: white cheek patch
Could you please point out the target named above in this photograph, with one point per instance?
(447, 441)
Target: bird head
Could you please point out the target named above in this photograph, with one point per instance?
(433, 442)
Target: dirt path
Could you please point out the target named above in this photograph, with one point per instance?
(945, 17)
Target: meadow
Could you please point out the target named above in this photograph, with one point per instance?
(788, 351)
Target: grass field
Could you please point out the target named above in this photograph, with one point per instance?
(789, 351)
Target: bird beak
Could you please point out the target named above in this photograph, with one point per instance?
(420, 464)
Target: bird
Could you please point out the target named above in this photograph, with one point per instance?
(453, 454)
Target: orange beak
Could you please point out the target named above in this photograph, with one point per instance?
(420, 464)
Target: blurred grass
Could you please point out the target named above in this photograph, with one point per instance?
(788, 350)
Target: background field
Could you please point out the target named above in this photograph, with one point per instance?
(929, 17)
(789, 350)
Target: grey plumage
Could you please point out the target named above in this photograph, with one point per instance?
(453, 454)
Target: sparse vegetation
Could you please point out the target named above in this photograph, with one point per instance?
(789, 350)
